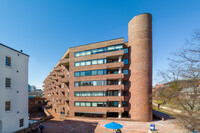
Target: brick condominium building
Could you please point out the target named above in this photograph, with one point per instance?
(106, 79)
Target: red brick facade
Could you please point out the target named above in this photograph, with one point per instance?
(59, 86)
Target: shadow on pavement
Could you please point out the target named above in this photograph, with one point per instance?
(69, 126)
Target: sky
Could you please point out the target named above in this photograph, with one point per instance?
(45, 29)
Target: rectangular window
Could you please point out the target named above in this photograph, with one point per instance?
(77, 103)
(125, 50)
(88, 104)
(88, 63)
(94, 72)
(76, 84)
(118, 47)
(82, 104)
(82, 63)
(8, 82)
(100, 61)
(100, 72)
(82, 73)
(7, 106)
(125, 61)
(111, 48)
(88, 52)
(77, 94)
(8, 61)
(83, 53)
(125, 72)
(94, 51)
(76, 74)
(94, 62)
(100, 50)
(88, 73)
(21, 122)
(77, 64)
(94, 104)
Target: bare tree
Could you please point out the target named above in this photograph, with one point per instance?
(184, 73)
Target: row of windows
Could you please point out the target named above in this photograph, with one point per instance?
(94, 62)
(96, 104)
(98, 83)
(89, 73)
(90, 83)
(95, 93)
(90, 62)
(97, 72)
(98, 93)
(99, 50)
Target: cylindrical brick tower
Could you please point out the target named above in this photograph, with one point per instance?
(140, 42)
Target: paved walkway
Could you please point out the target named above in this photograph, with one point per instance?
(84, 125)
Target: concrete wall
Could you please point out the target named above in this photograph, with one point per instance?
(17, 94)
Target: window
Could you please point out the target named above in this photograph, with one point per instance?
(82, 63)
(21, 122)
(125, 61)
(125, 50)
(111, 48)
(76, 84)
(100, 61)
(88, 63)
(125, 72)
(82, 73)
(76, 74)
(118, 47)
(94, 72)
(7, 106)
(77, 103)
(83, 104)
(100, 72)
(77, 64)
(8, 61)
(94, 62)
(88, 104)
(8, 82)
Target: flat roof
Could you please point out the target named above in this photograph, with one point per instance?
(97, 42)
(13, 49)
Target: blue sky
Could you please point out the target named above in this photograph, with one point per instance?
(45, 29)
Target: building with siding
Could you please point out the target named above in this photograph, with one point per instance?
(111, 78)
(14, 92)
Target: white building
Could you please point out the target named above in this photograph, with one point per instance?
(13, 90)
